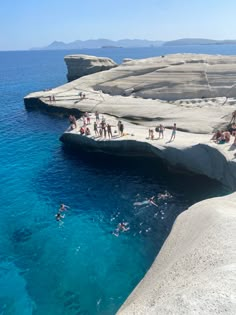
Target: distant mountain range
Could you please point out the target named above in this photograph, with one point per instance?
(131, 43)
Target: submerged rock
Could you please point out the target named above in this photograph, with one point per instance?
(21, 235)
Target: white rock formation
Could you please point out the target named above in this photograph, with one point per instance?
(176, 76)
(195, 271)
(80, 65)
(194, 153)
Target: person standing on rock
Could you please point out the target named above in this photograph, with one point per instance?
(97, 116)
(109, 131)
(118, 126)
(174, 128)
(103, 125)
(161, 131)
(121, 129)
(95, 128)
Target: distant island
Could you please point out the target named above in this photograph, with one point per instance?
(198, 41)
(131, 43)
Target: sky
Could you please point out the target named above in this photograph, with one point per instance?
(36, 23)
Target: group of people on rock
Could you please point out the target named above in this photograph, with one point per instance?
(160, 129)
(221, 137)
(224, 136)
(52, 98)
(103, 129)
(85, 131)
(82, 95)
(100, 127)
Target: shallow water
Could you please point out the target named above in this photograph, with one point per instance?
(78, 267)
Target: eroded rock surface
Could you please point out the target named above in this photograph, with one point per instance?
(195, 91)
(80, 65)
(195, 271)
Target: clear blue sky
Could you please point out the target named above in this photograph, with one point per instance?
(35, 23)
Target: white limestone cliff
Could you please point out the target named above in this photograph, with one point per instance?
(198, 92)
(195, 271)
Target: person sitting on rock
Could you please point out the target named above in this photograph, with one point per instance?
(82, 131)
(227, 136)
(217, 135)
(222, 139)
(87, 131)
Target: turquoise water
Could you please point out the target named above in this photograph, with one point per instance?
(78, 267)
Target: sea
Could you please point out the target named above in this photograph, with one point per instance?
(78, 266)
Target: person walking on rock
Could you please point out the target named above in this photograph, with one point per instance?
(174, 128)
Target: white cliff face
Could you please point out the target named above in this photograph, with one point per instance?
(195, 153)
(80, 65)
(195, 271)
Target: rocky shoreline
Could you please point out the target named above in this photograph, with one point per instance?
(195, 270)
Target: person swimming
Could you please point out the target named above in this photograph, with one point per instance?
(121, 227)
(59, 216)
(63, 207)
(149, 201)
(164, 196)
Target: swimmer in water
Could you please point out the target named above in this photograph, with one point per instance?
(149, 201)
(164, 196)
(121, 227)
(59, 216)
(63, 208)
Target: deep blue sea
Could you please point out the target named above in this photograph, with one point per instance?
(79, 267)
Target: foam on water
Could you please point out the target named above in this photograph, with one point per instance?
(78, 267)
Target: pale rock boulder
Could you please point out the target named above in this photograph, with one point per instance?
(195, 271)
(80, 65)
